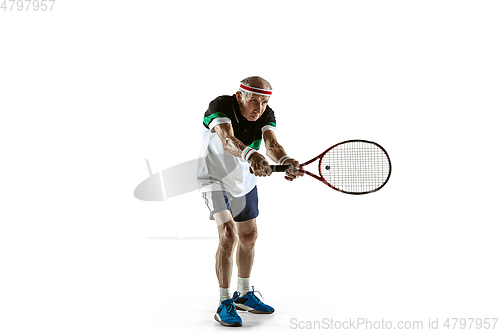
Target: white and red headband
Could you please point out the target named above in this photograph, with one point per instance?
(257, 91)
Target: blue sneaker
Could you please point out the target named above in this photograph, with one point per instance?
(251, 303)
(226, 312)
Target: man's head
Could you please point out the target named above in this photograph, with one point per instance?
(253, 96)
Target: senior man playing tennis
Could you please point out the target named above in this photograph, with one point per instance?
(234, 127)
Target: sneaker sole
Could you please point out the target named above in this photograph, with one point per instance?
(243, 307)
(217, 318)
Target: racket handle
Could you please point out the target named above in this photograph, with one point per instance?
(277, 168)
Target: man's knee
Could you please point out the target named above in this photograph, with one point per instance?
(227, 235)
(249, 237)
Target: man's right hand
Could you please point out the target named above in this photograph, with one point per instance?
(259, 165)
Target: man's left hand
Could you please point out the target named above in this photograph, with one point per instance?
(298, 172)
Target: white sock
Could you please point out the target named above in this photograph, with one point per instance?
(224, 294)
(243, 285)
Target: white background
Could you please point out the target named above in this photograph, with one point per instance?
(93, 88)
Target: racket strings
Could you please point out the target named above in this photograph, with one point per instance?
(356, 167)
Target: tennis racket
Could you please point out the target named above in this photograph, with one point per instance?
(352, 167)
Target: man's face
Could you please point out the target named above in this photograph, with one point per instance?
(253, 107)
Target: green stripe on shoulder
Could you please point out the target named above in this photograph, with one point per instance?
(208, 119)
(270, 123)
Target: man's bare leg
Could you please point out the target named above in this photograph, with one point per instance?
(226, 313)
(227, 241)
(247, 235)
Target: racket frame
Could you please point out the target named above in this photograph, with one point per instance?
(283, 168)
(322, 179)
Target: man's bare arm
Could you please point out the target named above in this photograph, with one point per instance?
(273, 149)
(235, 147)
(229, 142)
(276, 152)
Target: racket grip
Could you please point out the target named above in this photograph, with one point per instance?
(277, 168)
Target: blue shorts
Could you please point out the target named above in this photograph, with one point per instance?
(242, 208)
